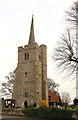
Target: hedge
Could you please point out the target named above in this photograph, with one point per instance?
(46, 112)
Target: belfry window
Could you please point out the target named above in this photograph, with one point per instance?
(26, 56)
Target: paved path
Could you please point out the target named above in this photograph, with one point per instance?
(20, 118)
(23, 118)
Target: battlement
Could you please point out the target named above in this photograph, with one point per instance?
(43, 45)
(25, 46)
(28, 47)
(20, 48)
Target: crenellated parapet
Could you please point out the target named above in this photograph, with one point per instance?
(20, 49)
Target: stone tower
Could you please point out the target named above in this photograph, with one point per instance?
(30, 82)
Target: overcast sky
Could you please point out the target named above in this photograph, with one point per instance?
(15, 21)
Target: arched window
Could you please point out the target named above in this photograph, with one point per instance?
(26, 56)
(26, 74)
(26, 94)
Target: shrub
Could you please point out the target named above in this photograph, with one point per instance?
(7, 109)
(46, 112)
(17, 107)
(43, 103)
(30, 106)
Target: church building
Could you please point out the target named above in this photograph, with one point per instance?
(30, 83)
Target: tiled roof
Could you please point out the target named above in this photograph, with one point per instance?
(54, 97)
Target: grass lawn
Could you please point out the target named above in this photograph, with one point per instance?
(72, 109)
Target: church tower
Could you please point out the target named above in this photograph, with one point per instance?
(30, 84)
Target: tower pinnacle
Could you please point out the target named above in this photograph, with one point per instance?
(32, 37)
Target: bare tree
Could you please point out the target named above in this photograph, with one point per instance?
(52, 85)
(65, 98)
(7, 87)
(65, 54)
(72, 15)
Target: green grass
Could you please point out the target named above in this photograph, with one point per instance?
(69, 108)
